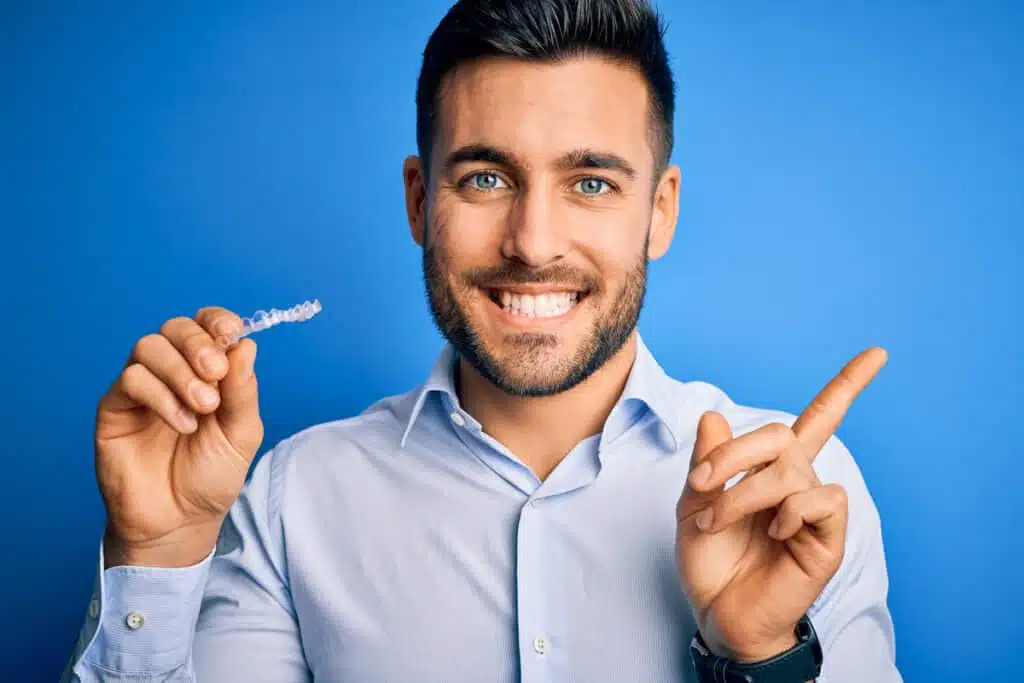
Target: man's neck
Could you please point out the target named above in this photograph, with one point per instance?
(541, 431)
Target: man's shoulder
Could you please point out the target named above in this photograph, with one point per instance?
(377, 429)
(695, 397)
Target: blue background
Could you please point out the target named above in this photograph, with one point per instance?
(852, 176)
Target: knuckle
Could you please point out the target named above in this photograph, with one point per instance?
(788, 507)
(779, 437)
(208, 312)
(779, 431)
(133, 377)
(147, 344)
(838, 495)
(195, 340)
(174, 324)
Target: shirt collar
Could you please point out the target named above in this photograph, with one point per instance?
(441, 380)
(647, 385)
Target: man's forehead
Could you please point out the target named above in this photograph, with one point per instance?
(538, 111)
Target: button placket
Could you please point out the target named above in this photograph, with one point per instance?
(534, 584)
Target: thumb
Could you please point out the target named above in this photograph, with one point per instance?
(239, 411)
(712, 431)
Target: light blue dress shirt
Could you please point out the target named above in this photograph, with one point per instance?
(406, 545)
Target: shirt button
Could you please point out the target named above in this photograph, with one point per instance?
(540, 645)
(135, 620)
(94, 608)
(458, 420)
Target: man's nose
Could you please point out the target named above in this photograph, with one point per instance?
(536, 234)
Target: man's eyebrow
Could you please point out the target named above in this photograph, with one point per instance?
(588, 158)
(478, 153)
(576, 159)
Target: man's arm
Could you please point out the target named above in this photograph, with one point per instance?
(852, 617)
(228, 618)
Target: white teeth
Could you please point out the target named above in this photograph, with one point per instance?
(540, 306)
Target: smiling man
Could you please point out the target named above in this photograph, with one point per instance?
(544, 200)
(549, 505)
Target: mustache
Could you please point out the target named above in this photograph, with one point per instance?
(514, 273)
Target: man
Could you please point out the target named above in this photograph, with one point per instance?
(549, 505)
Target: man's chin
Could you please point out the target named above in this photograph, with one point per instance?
(530, 352)
(529, 365)
(530, 385)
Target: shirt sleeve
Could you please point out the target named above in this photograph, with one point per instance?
(851, 616)
(227, 618)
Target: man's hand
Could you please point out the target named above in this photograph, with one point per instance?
(175, 435)
(754, 557)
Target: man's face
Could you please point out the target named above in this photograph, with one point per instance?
(542, 211)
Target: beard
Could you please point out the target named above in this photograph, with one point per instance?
(530, 369)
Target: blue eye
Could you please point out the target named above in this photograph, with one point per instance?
(592, 186)
(485, 181)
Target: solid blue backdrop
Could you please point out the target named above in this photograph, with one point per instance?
(852, 176)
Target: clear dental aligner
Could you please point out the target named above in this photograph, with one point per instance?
(263, 320)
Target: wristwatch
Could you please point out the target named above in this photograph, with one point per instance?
(799, 664)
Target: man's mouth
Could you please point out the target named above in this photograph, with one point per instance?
(546, 304)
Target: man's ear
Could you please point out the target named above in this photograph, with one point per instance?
(665, 212)
(415, 180)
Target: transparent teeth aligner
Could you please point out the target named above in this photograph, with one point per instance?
(264, 320)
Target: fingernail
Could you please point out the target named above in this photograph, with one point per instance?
(704, 519)
(225, 327)
(701, 474)
(204, 394)
(773, 528)
(225, 333)
(251, 369)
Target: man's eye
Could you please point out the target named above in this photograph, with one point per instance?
(593, 186)
(485, 181)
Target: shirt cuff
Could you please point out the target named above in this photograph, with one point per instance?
(146, 617)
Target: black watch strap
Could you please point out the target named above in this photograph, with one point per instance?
(799, 664)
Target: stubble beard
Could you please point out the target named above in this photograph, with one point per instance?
(533, 350)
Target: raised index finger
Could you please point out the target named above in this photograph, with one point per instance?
(821, 418)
